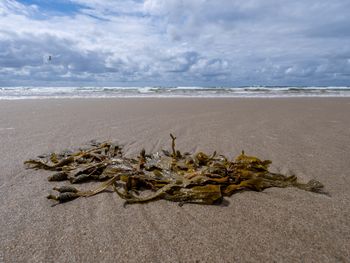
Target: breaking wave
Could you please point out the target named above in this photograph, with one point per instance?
(9, 93)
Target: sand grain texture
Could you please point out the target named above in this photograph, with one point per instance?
(308, 137)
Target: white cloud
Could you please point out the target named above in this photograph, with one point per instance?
(177, 42)
(8, 7)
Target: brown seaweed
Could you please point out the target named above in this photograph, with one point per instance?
(186, 178)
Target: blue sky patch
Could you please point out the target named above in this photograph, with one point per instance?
(58, 7)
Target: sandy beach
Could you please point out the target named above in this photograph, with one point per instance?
(309, 137)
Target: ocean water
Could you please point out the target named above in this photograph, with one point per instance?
(16, 93)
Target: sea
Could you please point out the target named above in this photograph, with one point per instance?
(18, 93)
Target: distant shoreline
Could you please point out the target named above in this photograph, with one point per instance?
(18, 93)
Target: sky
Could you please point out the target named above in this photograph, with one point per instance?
(174, 43)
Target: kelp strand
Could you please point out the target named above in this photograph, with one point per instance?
(186, 178)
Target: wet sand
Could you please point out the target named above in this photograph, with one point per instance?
(309, 137)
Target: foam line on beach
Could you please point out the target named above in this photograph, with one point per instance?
(19, 93)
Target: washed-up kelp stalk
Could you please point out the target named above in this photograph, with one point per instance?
(174, 176)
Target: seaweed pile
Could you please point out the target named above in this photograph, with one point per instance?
(171, 175)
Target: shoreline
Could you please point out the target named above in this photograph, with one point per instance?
(172, 92)
(178, 97)
(313, 98)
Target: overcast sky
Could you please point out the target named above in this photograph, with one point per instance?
(174, 42)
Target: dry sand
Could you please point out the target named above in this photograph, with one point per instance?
(308, 137)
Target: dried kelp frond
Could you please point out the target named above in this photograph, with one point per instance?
(186, 178)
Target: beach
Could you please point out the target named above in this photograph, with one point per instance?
(308, 137)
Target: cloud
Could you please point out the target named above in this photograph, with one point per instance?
(175, 42)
